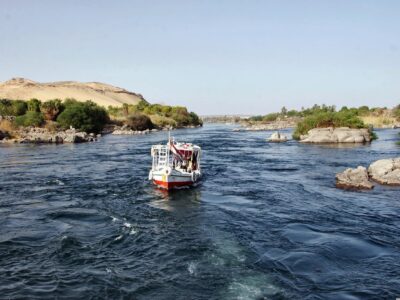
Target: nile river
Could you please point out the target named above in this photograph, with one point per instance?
(82, 221)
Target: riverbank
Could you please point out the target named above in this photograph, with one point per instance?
(36, 135)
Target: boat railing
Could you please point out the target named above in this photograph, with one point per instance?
(160, 155)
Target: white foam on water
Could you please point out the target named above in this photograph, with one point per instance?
(127, 225)
(254, 286)
(161, 204)
(133, 231)
(114, 219)
(192, 267)
(108, 270)
(228, 249)
(246, 284)
(118, 238)
(59, 182)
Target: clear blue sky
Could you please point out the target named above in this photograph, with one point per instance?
(216, 57)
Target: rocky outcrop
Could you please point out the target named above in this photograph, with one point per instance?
(43, 135)
(126, 130)
(129, 132)
(277, 137)
(385, 171)
(276, 125)
(337, 135)
(354, 179)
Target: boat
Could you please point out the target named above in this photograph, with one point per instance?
(175, 165)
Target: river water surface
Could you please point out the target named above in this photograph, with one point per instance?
(82, 221)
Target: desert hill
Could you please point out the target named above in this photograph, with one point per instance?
(100, 93)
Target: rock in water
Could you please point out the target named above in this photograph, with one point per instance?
(354, 178)
(337, 135)
(386, 171)
(276, 137)
(43, 135)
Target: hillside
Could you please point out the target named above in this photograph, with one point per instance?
(100, 93)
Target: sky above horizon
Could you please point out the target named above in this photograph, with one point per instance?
(215, 57)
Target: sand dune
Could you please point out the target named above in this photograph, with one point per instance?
(100, 93)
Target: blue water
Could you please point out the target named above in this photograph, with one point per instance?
(82, 221)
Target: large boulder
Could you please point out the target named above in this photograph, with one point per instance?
(337, 135)
(277, 137)
(354, 179)
(385, 171)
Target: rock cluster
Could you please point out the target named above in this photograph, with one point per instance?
(354, 178)
(337, 135)
(276, 125)
(277, 137)
(43, 135)
(384, 171)
(126, 130)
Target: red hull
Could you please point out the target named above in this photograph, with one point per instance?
(171, 185)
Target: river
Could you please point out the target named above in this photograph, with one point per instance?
(82, 221)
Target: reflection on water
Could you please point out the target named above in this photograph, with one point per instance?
(83, 221)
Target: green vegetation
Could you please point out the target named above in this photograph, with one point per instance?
(86, 116)
(12, 108)
(33, 105)
(160, 115)
(326, 116)
(138, 121)
(292, 113)
(51, 109)
(31, 118)
(317, 109)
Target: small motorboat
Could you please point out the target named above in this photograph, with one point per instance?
(175, 165)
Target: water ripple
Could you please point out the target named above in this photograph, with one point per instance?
(82, 221)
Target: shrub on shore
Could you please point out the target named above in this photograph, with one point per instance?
(138, 121)
(33, 105)
(161, 115)
(12, 107)
(163, 122)
(31, 118)
(51, 109)
(86, 116)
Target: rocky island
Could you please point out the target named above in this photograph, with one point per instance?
(326, 124)
(337, 135)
